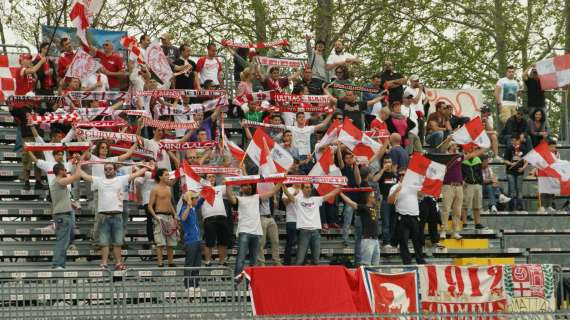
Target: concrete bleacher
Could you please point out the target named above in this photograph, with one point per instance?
(27, 238)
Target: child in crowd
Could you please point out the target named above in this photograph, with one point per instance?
(188, 216)
(515, 166)
(491, 185)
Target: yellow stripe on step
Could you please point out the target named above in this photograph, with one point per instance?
(466, 243)
(482, 261)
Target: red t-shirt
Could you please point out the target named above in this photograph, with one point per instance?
(65, 59)
(381, 127)
(113, 63)
(24, 82)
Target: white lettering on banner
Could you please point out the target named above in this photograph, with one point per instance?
(465, 102)
(82, 66)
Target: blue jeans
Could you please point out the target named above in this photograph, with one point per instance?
(370, 252)
(291, 242)
(111, 229)
(246, 243)
(386, 211)
(434, 139)
(515, 184)
(347, 214)
(64, 223)
(492, 194)
(193, 258)
(309, 239)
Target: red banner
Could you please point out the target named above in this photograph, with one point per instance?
(392, 293)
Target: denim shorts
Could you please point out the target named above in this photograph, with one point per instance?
(111, 229)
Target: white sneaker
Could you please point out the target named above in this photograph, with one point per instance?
(387, 247)
(494, 209)
(550, 209)
(456, 236)
(442, 235)
(541, 209)
(498, 159)
(503, 198)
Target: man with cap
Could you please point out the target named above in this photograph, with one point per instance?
(170, 51)
(113, 65)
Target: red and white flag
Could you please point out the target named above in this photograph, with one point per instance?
(328, 138)
(233, 148)
(158, 62)
(472, 133)
(9, 68)
(81, 15)
(82, 66)
(360, 144)
(555, 179)
(194, 183)
(554, 72)
(325, 167)
(281, 157)
(541, 156)
(424, 175)
(131, 44)
(391, 293)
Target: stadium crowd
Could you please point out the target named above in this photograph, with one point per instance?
(392, 108)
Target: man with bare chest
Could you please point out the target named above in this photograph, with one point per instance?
(164, 216)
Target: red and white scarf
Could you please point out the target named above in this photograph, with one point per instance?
(290, 63)
(249, 123)
(280, 97)
(70, 146)
(258, 45)
(204, 93)
(98, 95)
(194, 108)
(216, 170)
(252, 97)
(140, 164)
(336, 180)
(60, 117)
(275, 178)
(101, 124)
(175, 145)
(132, 45)
(354, 88)
(169, 93)
(94, 134)
(139, 152)
(169, 125)
(16, 101)
(307, 108)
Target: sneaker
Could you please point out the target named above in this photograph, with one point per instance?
(541, 209)
(439, 245)
(442, 235)
(103, 266)
(550, 209)
(503, 198)
(120, 267)
(59, 268)
(498, 159)
(387, 247)
(27, 186)
(480, 226)
(456, 236)
(208, 264)
(494, 209)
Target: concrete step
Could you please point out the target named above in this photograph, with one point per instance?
(552, 242)
(531, 220)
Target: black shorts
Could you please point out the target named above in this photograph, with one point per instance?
(216, 228)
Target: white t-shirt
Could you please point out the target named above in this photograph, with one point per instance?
(308, 213)
(218, 209)
(407, 201)
(248, 212)
(415, 92)
(98, 169)
(181, 119)
(302, 138)
(111, 194)
(508, 93)
(335, 58)
(161, 156)
(125, 171)
(92, 80)
(210, 71)
(410, 112)
(291, 208)
(146, 183)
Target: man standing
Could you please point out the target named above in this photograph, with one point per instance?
(110, 210)
(249, 223)
(66, 57)
(216, 226)
(506, 91)
(387, 177)
(339, 58)
(302, 137)
(317, 62)
(534, 92)
(290, 222)
(113, 65)
(309, 221)
(190, 78)
(62, 212)
(408, 212)
(164, 217)
(472, 172)
(170, 51)
(392, 81)
(210, 67)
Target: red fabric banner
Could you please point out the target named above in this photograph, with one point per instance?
(308, 290)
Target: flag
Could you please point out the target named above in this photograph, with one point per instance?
(325, 167)
(391, 293)
(555, 179)
(131, 44)
(473, 132)
(424, 175)
(554, 72)
(81, 15)
(194, 183)
(541, 156)
(281, 157)
(329, 137)
(158, 62)
(360, 144)
(9, 67)
(82, 66)
(233, 148)
(311, 290)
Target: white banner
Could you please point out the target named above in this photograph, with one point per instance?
(465, 102)
(158, 62)
(83, 66)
